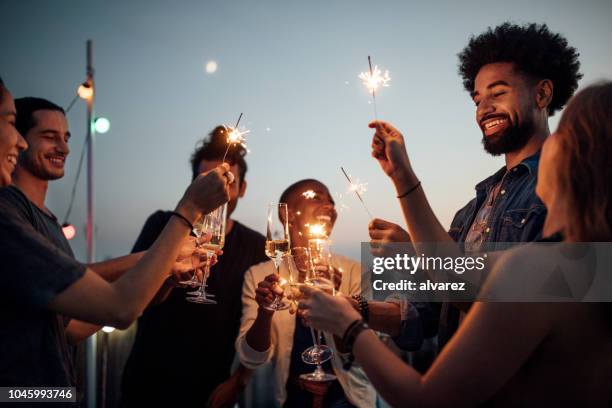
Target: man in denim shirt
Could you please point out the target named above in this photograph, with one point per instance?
(517, 76)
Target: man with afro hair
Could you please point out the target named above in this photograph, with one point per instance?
(517, 76)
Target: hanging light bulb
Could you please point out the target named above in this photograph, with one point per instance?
(85, 91)
(68, 230)
(102, 125)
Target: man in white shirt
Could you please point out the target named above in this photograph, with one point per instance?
(280, 336)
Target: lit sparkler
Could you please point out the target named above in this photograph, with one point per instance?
(316, 230)
(235, 136)
(358, 189)
(373, 80)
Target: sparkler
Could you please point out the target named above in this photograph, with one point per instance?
(235, 136)
(358, 189)
(316, 230)
(373, 80)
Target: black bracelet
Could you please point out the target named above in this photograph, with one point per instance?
(363, 307)
(182, 217)
(348, 329)
(410, 190)
(351, 333)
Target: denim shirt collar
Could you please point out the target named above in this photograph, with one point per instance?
(530, 164)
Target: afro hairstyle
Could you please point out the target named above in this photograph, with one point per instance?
(533, 49)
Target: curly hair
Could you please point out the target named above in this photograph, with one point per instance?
(213, 147)
(533, 49)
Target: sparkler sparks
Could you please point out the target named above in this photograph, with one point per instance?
(374, 79)
(358, 189)
(309, 194)
(235, 136)
(316, 230)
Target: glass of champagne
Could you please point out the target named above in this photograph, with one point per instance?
(214, 224)
(318, 274)
(277, 244)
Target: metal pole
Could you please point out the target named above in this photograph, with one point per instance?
(90, 346)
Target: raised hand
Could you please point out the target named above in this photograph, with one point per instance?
(332, 314)
(208, 191)
(389, 149)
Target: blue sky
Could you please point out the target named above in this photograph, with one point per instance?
(292, 68)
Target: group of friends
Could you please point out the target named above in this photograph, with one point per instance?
(553, 188)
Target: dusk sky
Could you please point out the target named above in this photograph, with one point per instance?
(291, 67)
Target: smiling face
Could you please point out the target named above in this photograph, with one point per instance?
(11, 142)
(48, 141)
(311, 204)
(505, 107)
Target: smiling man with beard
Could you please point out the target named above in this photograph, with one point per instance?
(517, 76)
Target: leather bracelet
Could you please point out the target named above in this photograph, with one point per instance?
(417, 185)
(352, 332)
(363, 307)
(350, 335)
(182, 217)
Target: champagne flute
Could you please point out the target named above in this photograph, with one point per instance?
(277, 245)
(213, 223)
(319, 255)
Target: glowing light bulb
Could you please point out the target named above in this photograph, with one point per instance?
(85, 91)
(68, 230)
(108, 329)
(102, 125)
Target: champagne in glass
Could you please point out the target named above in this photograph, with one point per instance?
(277, 244)
(213, 223)
(319, 275)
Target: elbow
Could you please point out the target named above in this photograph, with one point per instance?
(123, 319)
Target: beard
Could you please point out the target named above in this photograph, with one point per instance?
(509, 140)
(37, 168)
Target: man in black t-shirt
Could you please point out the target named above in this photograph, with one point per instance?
(182, 350)
(44, 126)
(41, 281)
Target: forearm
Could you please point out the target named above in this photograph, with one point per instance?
(112, 269)
(398, 383)
(422, 223)
(162, 294)
(385, 317)
(258, 336)
(136, 288)
(78, 331)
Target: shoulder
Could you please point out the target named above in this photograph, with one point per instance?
(159, 217)
(262, 268)
(530, 272)
(346, 263)
(11, 196)
(247, 232)
(259, 271)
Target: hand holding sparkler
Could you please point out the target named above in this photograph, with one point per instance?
(389, 148)
(358, 189)
(235, 136)
(373, 80)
